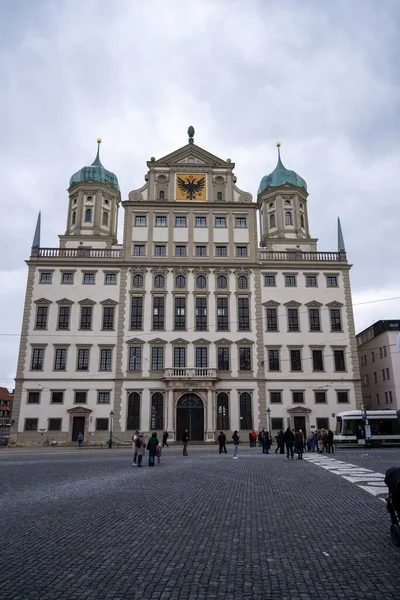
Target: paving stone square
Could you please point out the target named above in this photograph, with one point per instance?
(86, 524)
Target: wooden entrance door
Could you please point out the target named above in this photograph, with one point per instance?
(190, 416)
(78, 426)
(300, 423)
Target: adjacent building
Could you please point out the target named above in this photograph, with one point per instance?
(379, 356)
(5, 414)
(190, 322)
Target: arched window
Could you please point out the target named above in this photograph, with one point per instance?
(180, 281)
(242, 282)
(222, 282)
(219, 195)
(159, 281)
(88, 215)
(133, 418)
(157, 411)
(105, 219)
(201, 282)
(272, 221)
(302, 220)
(222, 411)
(138, 281)
(288, 218)
(246, 415)
(74, 217)
(161, 195)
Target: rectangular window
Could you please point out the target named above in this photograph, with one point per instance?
(45, 277)
(272, 319)
(222, 314)
(140, 221)
(157, 358)
(54, 424)
(201, 314)
(320, 397)
(244, 359)
(387, 373)
(223, 359)
(111, 279)
(41, 317)
(243, 314)
(336, 323)
(57, 397)
(273, 360)
(37, 359)
(102, 424)
(60, 359)
(105, 359)
(339, 360)
(277, 423)
(293, 319)
(137, 313)
(83, 359)
(377, 400)
(390, 397)
(298, 397)
(33, 397)
(80, 397)
(295, 360)
(311, 281)
(269, 280)
(180, 314)
(342, 397)
(221, 251)
(67, 278)
(179, 357)
(201, 250)
(89, 278)
(373, 356)
(384, 351)
(383, 375)
(180, 250)
(160, 250)
(331, 281)
(275, 397)
(63, 317)
(103, 398)
(240, 222)
(180, 221)
(135, 358)
(108, 317)
(315, 322)
(375, 377)
(161, 221)
(220, 222)
(201, 222)
(158, 312)
(290, 280)
(31, 424)
(201, 358)
(241, 251)
(318, 362)
(86, 317)
(139, 250)
(386, 398)
(322, 423)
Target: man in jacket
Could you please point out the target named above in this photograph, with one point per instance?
(221, 441)
(288, 438)
(299, 441)
(185, 439)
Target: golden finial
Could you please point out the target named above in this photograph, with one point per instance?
(99, 140)
(278, 144)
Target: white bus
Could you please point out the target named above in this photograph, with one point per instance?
(384, 424)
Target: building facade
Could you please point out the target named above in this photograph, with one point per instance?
(187, 323)
(379, 356)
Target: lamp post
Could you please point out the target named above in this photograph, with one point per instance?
(269, 422)
(110, 441)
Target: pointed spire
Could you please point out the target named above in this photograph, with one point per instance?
(36, 237)
(341, 246)
(97, 162)
(279, 163)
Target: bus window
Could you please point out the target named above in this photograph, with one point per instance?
(338, 425)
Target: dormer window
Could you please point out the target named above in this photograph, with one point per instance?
(88, 215)
(288, 218)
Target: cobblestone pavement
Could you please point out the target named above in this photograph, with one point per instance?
(85, 524)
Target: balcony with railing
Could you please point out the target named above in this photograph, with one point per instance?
(184, 373)
(299, 255)
(79, 252)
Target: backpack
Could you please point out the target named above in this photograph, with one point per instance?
(138, 443)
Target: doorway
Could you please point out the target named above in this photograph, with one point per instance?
(78, 426)
(190, 416)
(300, 423)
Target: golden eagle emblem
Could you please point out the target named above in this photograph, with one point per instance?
(191, 186)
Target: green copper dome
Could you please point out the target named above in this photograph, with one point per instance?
(279, 176)
(96, 172)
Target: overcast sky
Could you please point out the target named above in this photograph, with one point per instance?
(321, 77)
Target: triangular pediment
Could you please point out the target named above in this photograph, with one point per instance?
(191, 151)
(299, 409)
(313, 304)
(334, 304)
(223, 342)
(109, 302)
(292, 304)
(42, 301)
(271, 303)
(157, 341)
(87, 301)
(179, 342)
(134, 341)
(201, 342)
(244, 342)
(79, 409)
(64, 302)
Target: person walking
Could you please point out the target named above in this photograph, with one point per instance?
(140, 448)
(279, 442)
(331, 448)
(79, 439)
(324, 440)
(236, 440)
(299, 441)
(165, 439)
(288, 438)
(222, 442)
(266, 442)
(135, 437)
(185, 439)
(152, 448)
(315, 447)
(158, 452)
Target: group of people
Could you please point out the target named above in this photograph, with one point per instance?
(154, 448)
(295, 442)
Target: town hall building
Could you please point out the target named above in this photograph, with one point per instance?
(191, 322)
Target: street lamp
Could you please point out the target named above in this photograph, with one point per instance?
(110, 441)
(269, 422)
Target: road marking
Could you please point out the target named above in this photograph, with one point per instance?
(370, 481)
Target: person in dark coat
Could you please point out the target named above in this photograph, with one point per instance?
(279, 442)
(236, 440)
(331, 449)
(266, 442)
(185, 439)
(288, 438)
(299, 442)
(165, 439)
(152, 448)
(222, 441)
